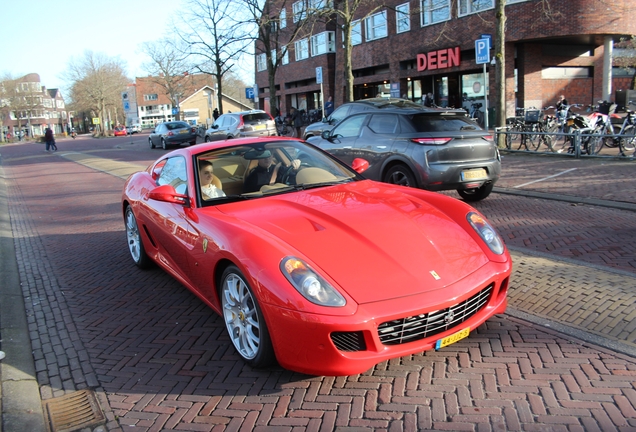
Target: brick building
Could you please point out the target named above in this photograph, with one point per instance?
(413, 47)
(29, 108)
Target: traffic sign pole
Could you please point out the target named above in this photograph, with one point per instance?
(482, 56)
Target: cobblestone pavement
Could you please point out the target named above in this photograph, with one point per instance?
(158, 359)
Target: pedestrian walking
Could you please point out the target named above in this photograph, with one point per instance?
(49, 139)
(215, 113)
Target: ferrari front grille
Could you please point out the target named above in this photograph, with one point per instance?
(349, 341)
(421, 326)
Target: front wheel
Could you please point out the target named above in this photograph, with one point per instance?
(400, 175)
(135, 244)
(244, 320)
(163, 144)
(152, 145)
(627, 140)
(476, 194)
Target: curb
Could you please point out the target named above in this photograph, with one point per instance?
(21, 403)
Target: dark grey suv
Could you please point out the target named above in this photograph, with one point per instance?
(350, 108)
(433, 149)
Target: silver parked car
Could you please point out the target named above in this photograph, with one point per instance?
(172, 133)
(428, 148)
(241, 124)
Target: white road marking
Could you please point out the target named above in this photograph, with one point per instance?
(545, 178)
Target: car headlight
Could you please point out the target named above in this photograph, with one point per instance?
(308, 283)
(486, 232)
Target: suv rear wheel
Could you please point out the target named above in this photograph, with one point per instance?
(400, 175)
(477, 194)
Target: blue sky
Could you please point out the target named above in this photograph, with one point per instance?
(42, 36)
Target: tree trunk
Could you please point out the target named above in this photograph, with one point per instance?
(500, 69)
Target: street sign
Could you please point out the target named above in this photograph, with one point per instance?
(482, 51)
(249, 93)
(487, 36)
(319, 75)
(395, 89)
(175, 111)
(126, 105)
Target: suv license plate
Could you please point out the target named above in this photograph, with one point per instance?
(259, 127)
(448, 340)
(474, 174)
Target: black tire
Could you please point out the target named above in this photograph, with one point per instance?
(400, 175)
(628, 139)
(163, 144)
(135, 244)
(477, 194)
(193, 142)
(152, 145)
(244, 320)
(208, 139)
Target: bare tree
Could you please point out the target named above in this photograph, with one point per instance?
(97, 83)
(168, 67)
(500, 67)
(348, 13)
(212, 37)
(21, 99)
(275, 36)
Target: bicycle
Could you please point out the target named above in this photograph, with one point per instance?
(476, 114)
(283, 128)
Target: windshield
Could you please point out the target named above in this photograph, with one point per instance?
(259, 169)
(442, 123)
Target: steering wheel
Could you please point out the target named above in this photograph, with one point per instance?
(288, 175)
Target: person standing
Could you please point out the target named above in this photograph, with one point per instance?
(328, 107)
(561, 108)
(429, 101)
(297, 121)
(215, 113)
(49, 139)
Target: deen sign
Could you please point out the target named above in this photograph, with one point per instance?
(440, 59)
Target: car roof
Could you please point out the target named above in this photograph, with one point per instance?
(245, 112)
(416, 109)
(387, 102)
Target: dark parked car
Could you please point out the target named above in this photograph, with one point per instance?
(349, 108)
(429, 148)
(241, 124)
(172, 133)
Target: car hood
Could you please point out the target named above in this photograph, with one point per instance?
(375, 242)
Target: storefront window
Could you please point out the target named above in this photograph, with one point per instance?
(473, 85)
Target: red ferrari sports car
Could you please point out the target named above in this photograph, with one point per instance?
(310, 264)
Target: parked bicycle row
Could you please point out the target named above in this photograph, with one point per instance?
(570, 132)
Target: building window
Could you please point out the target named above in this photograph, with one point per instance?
(375, 26)
(472, 6)
(402, 18)
(434, 11)
(299, 11)
(567, 72)
(319, 4)
(302, 49)
(285, 59)
(261, 63)
(283, 18)
(150, 97)
(323, 43)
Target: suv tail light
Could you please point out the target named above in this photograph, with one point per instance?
(431, 141)
(170, 133)
(487, 137)
(241, 124)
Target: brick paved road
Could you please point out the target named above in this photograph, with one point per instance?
(159, 360)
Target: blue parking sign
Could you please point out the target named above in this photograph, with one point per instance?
(482, 51)
(249, 93)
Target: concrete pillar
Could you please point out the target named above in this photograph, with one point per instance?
(607, 68)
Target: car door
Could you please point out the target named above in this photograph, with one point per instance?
(342, 143)
(168, 223)
(155, 136)
(376, 141)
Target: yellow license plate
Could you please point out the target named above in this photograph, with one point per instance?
(184, 131)
(474, 174)
(462, 334)
(259, 127)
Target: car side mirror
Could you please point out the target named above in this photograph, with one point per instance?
(167, 193)
(215, 126)
(360, 165)
(326, 135)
